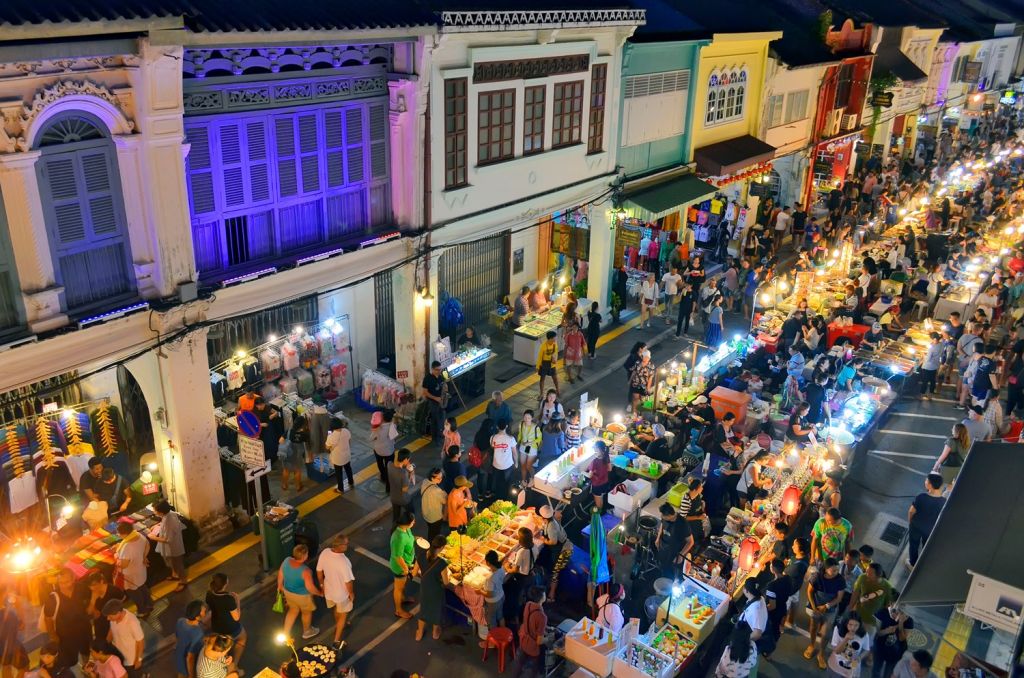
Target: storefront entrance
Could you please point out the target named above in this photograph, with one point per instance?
(472, 279)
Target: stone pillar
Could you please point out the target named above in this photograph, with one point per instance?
(155, 156)
(599, 265)
(19, 185)
(186, 434)
(415, 324)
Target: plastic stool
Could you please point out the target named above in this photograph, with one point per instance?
(501, 638)
(920, 309)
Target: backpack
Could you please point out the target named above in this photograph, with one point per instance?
(476, 457)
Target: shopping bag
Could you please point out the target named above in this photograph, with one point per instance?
(279, 604)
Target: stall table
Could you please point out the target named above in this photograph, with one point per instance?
(528, 336)
(468, 371)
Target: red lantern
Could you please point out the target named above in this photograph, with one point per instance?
(791, 500)
(748, 553)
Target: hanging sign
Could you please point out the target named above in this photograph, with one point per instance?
(251, 451)
(995, 603)
(883, 99)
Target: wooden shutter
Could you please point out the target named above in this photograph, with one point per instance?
(354, 145)
(378, 141)
(309, 151)
(256, 156)
(81, 190)
(287, 170)
(334, 147)
(232, 170)
(200, 171)
(61, 179)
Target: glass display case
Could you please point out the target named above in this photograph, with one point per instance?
(566, 472)
(527, 337)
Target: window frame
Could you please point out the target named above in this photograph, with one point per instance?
(774, 109)
(598, 95)
(534, 114)
(567, 125)
(505, 126)
(787, 118)
(456, 133)
(727, 97)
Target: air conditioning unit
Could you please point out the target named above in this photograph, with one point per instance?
(849, 122)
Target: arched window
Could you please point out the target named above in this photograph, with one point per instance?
(709, 115)
(730, 102)
(737, 110)
(721, 112)
(81, 190)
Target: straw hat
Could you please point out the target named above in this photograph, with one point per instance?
(461, 481)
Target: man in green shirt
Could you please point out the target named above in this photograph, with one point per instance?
(403, 560)
(871, 593)
(830, 536)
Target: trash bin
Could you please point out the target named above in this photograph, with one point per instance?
(280, 535)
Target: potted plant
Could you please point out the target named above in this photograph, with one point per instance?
(616, 307)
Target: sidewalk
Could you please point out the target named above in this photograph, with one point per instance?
(360, 508)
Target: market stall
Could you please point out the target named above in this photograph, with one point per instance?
(528, 337)
(468, 370)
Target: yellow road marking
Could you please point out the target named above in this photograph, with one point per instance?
(229, 551)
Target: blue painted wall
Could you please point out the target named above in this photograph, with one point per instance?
(658, 57)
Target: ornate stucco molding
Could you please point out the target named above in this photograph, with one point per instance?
(80, 94)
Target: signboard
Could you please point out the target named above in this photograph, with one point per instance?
(972, 72)
(253, 473)
(760, 189)
(402, 374)
(251, 450)
(443, 351)
(248, 424)
(883, 99)
(995, 603)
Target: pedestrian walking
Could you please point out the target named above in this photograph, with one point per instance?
(504, 460)
(170, 543)
(923, 514)
(850, 643)
(435, 390)
(713, 333)
(433, 581)
(188, 639)
(593, 329)
(649, 294)
(100, 591)
(49, 662)
(685, 310)
(126, 635)
(334, 572)
(226, 614)
(66, 621)
(529, 440)
(215, 660)
(641, 381)
(460, 503)
(547, 362)
(103, 663)
(383, 434)
(530, 659)
(739, 660)
(295, 582)
(670, 283)
(575, 344)
(339, 449)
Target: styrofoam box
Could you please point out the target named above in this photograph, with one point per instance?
(621, 669)
(596, 658)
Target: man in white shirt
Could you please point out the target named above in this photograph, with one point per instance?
(126, 635)
(130, 559)
(782, 225)
(504, 447)
(334, 570)
(670, 283)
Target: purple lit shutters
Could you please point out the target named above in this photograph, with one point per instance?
(346, 209)
(380, 188)
(206, 227)
(298, 161)
(87, 225)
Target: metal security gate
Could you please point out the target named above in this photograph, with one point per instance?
(384, 296)
(254, 329)
(477, 275)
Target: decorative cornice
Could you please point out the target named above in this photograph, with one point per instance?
(48, 96)
(463, 22)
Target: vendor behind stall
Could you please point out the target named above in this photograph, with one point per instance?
(674, 541)
(817, 401)
(798, 430)
(873, 338)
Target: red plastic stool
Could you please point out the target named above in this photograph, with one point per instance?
(500, 638)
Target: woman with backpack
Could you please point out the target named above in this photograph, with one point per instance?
(520, 564)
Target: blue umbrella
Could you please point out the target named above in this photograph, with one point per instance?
(598, 550)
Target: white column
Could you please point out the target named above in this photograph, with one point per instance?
(599, 265)
(415, 325)
(156, 158)
(188, 454)
(26, 220)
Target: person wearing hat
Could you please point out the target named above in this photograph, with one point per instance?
(460, 502)
(126, 635)
(873, 338)
(555, 545)
(702, 409)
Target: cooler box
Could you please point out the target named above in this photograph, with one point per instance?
(855, 333)
(727, 400)
(771, 342)
(636, 494)
(675, 495)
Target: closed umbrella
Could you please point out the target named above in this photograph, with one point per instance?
(598, 550)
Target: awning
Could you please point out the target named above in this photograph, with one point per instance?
(893, 60)
(669, 195)
(732, 155)
(979, 530)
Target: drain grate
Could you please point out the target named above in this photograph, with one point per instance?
(893, 533)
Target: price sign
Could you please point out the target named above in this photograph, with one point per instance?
(251, 450)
